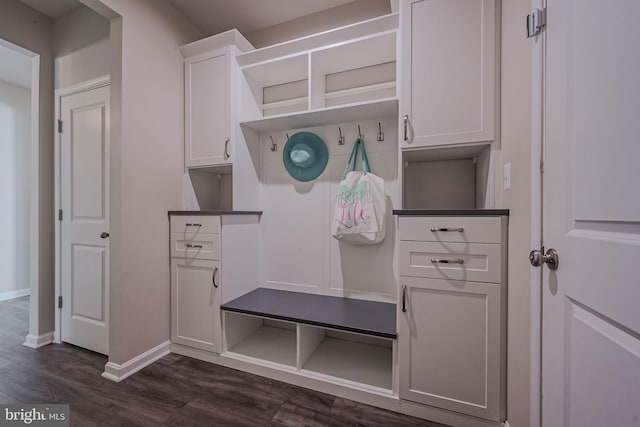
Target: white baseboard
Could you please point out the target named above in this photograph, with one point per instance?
(117, 373)
(37, 341)
(14, 294)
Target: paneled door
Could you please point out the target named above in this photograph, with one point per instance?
(591, 215)
(84, 200)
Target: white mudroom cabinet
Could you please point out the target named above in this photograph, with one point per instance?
(415, 324)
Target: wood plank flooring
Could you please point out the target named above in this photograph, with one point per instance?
(175, 391)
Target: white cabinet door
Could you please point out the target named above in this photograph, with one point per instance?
(450, 345)
(207, 115)
(195, 303)
(448, 71)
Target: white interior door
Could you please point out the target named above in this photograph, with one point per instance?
(84, 194)
(591, 215)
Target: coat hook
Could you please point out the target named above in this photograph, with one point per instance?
(274, 146)
(380, 133)
(341, 138)
(360, 135)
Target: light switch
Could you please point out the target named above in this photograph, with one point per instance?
(506, 176)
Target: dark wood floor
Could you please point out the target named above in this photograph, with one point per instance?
(175, 391)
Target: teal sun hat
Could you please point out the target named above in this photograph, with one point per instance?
(305, 156)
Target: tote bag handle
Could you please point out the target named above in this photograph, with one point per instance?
(353, 159)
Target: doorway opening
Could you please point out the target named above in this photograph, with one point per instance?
(19, 114)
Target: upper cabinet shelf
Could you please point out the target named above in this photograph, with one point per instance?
(347, 79)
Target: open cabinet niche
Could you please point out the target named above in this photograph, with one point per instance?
(212, 188)
(447, 178)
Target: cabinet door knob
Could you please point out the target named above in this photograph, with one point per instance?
(104, 235)
(213, 277)
(447, 261)
(404, 298)
(405, 121)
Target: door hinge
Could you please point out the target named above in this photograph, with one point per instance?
(60, 301)
(59, 126)
(59, 214)
(536, 21)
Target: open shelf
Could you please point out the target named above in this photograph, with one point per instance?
(262, 339)
(325, 116)
(343, 356)
(339, 340)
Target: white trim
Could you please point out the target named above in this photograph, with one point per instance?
(82, 87)
(117, 373)
(37, 341)
(537, 136)
(59, 93)
(15, 294)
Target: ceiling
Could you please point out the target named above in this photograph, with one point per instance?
(52, 8)
(16, 67)
(215, 16)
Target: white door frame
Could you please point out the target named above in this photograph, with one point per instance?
(538, 52)
(65, 91)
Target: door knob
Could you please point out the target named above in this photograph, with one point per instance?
(537, 257)
(104, 235)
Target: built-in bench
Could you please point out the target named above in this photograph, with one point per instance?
(344, 314)
(344, 339)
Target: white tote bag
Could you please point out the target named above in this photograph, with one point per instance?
(360, 212)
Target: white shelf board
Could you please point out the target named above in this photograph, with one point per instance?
(269, 343)
(325, 116)
(360, 90)
(353, 361)
(286, 103)
(321, 40)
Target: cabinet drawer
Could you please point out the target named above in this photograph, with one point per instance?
(476, 262)
(191, 226)
(202, 246)
(432, 229)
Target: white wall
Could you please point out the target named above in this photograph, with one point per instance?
(15, 134)
(146, 167)
(516, 148)
(80, 46)
(31, 30)
(339, 16)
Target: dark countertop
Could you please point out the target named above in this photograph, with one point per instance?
(451, 212)
(215, 213)
(346, 314)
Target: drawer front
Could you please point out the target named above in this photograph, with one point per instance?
(202, 246)
(191, 226)
(475, 262)
(451, 229)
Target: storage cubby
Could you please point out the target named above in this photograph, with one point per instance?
(337, 339)
(345, 356)
(359, 71)
(353, 79)
(280, 86)
(212, 187)
(447, 178)
(265, 339)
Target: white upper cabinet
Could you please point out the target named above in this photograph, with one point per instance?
(448, 84)
(207, 119)
(210, 74)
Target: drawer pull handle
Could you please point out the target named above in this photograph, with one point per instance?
(189, 245)
(213, 277)
(404, 298)
(436, 229)
(447, 261)
(193, 225)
